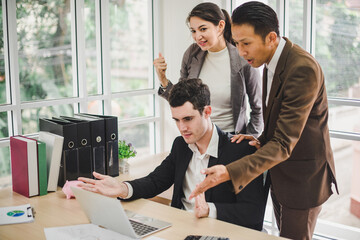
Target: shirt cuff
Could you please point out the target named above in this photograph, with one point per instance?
(212, 210)
(130, 190)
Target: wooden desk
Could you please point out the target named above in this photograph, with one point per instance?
(54, 210)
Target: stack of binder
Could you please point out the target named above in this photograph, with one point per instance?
(69, 163)
(84, 146)
(90, 144)
(111, 142)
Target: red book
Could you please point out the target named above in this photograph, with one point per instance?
(24, 169)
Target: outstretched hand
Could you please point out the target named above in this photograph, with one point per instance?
(105, 185)
(253, 141)
(215, 175)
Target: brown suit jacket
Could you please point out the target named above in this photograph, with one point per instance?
(295, 143)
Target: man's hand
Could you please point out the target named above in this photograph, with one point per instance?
(215, 175)
(253, 141)
(106, 185)
(201, 207)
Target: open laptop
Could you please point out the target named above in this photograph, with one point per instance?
(108, 213)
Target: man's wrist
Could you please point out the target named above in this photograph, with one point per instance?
(125, 190)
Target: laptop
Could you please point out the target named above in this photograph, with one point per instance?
(108, 213)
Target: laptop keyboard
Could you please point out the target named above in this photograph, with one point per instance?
(141, 229)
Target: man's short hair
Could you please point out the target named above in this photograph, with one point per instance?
(190, 90)
(258, 15)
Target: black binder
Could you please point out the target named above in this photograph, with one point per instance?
(69, 158)
(111, 143)
(84, 146)
(97, 134)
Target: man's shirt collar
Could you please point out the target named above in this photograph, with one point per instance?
(275, 59)
(213, 147)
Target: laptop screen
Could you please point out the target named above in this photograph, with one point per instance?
(109, 213)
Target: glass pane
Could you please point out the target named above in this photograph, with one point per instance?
(296, 23)
(130, 36)
(95, 107)
(90, 47)
(44, 45)
(131, 135)
(338, 46)
(136, 106)
(347, 164)
(5, 168)
(344, 118)
(30, 117)
(2, 61)
(4, 130)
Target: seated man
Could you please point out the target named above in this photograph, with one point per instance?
(201, 145)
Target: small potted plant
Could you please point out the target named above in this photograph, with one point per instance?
(126, 151)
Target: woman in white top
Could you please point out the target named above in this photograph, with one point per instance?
(214, 59)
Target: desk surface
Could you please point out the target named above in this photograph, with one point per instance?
(54, 210)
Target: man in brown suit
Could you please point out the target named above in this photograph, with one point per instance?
(295, 143)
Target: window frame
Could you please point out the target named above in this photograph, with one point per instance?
(14, 106)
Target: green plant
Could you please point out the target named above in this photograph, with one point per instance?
(126, 150)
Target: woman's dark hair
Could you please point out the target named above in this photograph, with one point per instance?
(212, 13)
(190, 90)
(259, 15)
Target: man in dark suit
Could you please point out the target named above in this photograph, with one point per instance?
(201, 145)
(295, 143)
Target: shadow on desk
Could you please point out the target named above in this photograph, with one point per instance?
(161, 200)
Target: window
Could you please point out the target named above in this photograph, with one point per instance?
(60, 57)
(44, 49)
(337, 48)
(130, 59)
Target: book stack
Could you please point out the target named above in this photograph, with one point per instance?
(34, 164)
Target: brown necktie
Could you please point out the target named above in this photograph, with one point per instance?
(264, 90)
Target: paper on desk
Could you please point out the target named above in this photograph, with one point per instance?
(16, 214)
(84, 232)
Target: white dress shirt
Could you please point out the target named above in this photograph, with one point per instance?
(193, 176)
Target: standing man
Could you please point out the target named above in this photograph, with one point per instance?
(201, 145)
(295, 143)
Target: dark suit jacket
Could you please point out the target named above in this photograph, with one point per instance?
(245, 209)
(295, 142)
(245, 80)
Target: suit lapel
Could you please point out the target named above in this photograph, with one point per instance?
(277, 80)
(184, 163)
(196, 64)
(276, 84)
(213, 161)
(236, 85)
